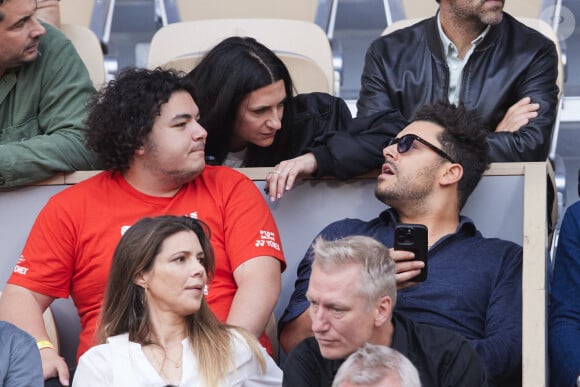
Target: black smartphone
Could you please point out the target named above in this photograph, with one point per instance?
(413, 237)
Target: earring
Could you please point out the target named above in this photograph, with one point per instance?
(205, 290)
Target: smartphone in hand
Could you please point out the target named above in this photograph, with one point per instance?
(413, 237)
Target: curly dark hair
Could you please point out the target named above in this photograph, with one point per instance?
(464, 138)
(122, 113)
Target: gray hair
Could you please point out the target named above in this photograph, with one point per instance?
(372, 363)
(377, 266)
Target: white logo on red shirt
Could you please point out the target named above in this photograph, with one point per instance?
(20, 269)
(267, 238)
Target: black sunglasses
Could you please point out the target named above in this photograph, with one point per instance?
(405, 142)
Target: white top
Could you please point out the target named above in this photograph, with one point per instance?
(454, 62)
(120, 362)
(236, 159)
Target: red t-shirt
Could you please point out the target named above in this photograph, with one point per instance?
(71, 244)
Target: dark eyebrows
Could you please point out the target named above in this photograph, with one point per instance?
(26, 18)
(185, 116)
(180, 252)
(262, 107)
(21, 21)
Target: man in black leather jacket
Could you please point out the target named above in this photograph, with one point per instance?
(509, 75)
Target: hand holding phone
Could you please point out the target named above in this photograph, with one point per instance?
(413, 237)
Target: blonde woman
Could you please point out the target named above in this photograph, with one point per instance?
(156, 323)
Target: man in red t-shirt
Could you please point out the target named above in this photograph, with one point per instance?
(144, 128)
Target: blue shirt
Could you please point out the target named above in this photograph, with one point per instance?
(474, 288)
(564, 336)
(20, 364)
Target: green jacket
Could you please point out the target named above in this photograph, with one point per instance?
(43, 106)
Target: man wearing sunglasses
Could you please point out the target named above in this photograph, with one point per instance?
(474, 283)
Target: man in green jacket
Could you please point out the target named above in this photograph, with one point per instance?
(44, 89)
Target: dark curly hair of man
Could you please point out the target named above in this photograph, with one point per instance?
(464, 138)
(122, 113)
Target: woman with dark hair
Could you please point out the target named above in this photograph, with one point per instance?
(156, 327)
(247, 105)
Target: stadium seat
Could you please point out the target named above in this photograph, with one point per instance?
(96, 15)
(89, 49)
(302, 46)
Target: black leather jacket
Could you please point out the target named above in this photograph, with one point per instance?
(320, 123)
(407, 68)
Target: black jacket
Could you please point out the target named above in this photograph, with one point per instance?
(320, 123)
(407, 68)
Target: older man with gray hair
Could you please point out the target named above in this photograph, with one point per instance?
(352, 293)
(377, 365)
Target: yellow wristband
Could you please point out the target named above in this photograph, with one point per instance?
(41, 344)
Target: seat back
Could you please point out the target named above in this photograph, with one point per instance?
(558, 172)
(76, 12)
(89, 49)
(272, 332)
(219, 9)
(302, 46)
(51, 329)
(96, 15)
(509, 203)
(49, 12)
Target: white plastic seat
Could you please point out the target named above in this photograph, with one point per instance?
(272, 9)
(89, 48)
(302, 46)
(96, 15)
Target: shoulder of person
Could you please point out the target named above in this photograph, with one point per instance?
(415, 30)
(53, 40)
(519, 31)
(307, 346)
(347, 226)
(309, 103)
(446, 340)
(83, 189)
(11, 333)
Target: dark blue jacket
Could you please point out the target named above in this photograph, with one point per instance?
(564, 336)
